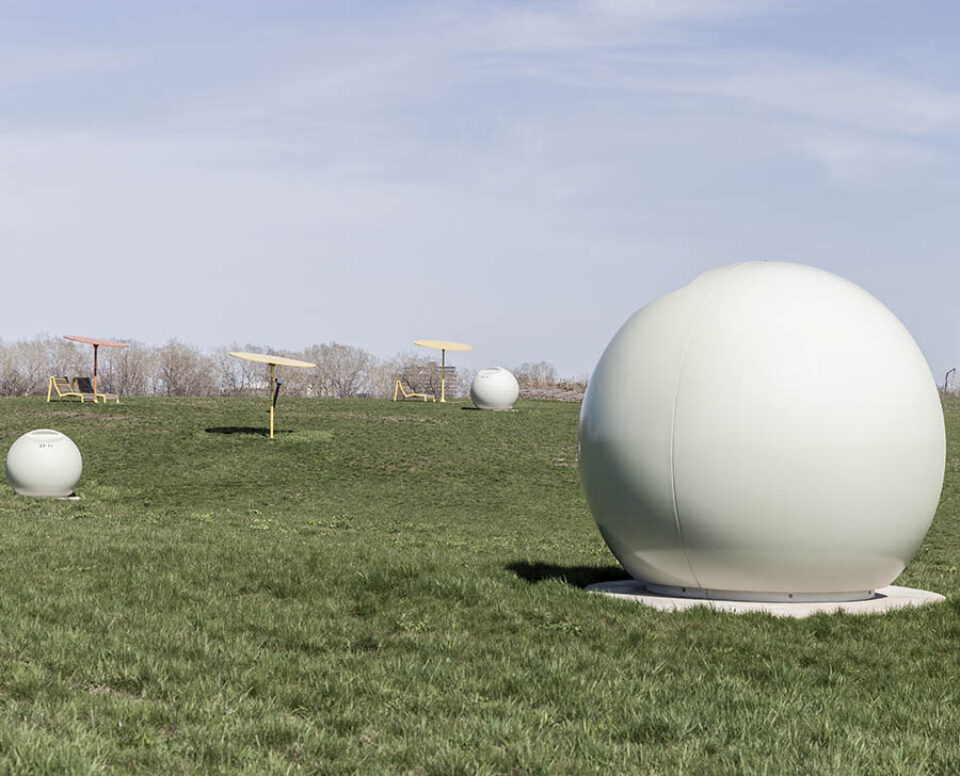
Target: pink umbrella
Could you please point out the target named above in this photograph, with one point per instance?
(96, 344)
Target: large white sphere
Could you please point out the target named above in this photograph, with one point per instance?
(494, 388)
(770, 431)
(44, 463)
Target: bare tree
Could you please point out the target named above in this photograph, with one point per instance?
(184, 371)
(465, 381)
(25, 367)
(126, 371)
(63, 357)
(343, 371)
(13, 381)
(300, 382)
(231, 377)
(381, 379)
(535, 375)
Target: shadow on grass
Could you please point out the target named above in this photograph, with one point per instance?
(579, 576)
(251, 430)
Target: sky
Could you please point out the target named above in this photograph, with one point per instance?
(519, 176)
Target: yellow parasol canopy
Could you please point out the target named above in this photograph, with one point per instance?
(264, 358)
(441, 345)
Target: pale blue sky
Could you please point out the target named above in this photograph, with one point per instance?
(518, 176)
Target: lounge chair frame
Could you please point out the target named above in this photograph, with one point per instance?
(104, 397)
(65, 391)
(399, 391)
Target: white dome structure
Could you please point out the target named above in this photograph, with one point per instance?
(770, 432)
(494, 388)
(44, 462)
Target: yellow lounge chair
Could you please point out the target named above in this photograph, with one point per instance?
(84, 385)
(399, 390)
(65, 391)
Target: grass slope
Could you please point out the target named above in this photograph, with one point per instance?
(396, 588)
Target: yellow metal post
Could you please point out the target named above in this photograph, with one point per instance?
(270, 396)
(443, 375)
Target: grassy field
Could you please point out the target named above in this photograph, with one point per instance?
(397, 588)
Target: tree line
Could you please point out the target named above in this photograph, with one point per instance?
(180, 369)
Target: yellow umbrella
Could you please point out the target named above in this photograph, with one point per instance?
(274, 362)
(443, 347)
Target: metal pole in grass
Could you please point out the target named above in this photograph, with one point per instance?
(276, 393)
(946, 378)
(273, 402)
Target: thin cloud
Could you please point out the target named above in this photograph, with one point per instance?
(856, 159)
(841, 95)
(19, 67)
(690, 10)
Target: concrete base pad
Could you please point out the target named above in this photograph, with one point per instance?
(886, 599)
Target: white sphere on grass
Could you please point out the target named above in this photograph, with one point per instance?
(494, 388)
(44, 462)
(770, 431)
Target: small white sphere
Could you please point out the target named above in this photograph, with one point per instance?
(44, 463)
(494, 388)
(770, 431)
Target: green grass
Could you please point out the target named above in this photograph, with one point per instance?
(396, 588)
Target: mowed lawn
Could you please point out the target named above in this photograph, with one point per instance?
(397, 588)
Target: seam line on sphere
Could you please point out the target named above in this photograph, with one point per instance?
(673, 421)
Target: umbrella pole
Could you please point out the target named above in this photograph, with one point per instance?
(443, 375)
(270, 396)
(95, 370)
